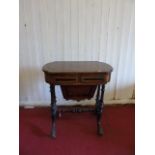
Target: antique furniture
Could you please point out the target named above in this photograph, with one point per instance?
(78, 80)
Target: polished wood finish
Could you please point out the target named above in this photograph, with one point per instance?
(77, 67)
(78, 80)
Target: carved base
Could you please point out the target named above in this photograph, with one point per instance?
(89, 93)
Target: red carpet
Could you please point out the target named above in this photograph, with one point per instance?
(76, 132)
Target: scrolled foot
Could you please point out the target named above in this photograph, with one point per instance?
(100, 130)
(53, 133)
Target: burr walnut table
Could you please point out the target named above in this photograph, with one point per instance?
(78, 80)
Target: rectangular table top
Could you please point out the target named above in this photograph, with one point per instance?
(77, 67)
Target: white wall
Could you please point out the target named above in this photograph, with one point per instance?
(101, 30)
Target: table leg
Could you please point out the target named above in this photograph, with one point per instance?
(99, 106)
(97, 98)
(53, 111)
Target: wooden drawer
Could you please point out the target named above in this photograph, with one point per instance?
(77, 79)
(61, 79)
(65, 80)
(94, 78)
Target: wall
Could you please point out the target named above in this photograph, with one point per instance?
(100, 30)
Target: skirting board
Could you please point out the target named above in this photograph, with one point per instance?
(87, 102)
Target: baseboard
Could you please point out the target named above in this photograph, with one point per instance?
(87, 102)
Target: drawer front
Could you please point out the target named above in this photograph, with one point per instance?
(61, 79)
(77, 79)
(94, 78)
(65, 80)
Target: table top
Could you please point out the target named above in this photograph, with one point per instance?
(77, 67)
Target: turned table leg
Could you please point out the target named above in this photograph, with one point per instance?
(53, 111)
(99, 106)
(97, 98)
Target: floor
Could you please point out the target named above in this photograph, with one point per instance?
(76, 132)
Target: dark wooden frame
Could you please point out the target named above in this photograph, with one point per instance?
(78, 85)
